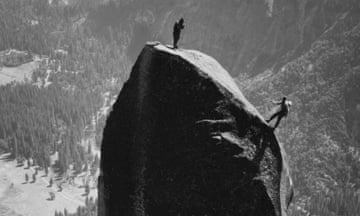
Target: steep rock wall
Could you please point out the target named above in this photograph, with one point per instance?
(183, 140)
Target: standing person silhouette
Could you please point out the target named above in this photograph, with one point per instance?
(178, 26)
(283, 112)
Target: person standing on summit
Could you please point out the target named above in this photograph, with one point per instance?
(178, 26)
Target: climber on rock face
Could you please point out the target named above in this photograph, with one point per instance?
(178, 26)
(284, 110)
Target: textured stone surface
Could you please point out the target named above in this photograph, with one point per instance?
(183, 140)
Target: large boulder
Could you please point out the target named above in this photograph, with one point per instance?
(181, 139)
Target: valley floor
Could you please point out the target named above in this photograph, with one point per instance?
(31, 199)
(19, 73)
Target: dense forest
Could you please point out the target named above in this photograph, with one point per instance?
(37, 122)
(59, 108)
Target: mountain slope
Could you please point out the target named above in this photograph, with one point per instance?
(245, 36)
(323, 125)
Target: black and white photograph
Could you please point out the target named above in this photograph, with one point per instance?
(179, 107)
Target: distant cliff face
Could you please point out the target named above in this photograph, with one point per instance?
(323, 125)
(183, 140)
(245, 36)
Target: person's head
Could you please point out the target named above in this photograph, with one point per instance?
(181, 21)
(284, 99)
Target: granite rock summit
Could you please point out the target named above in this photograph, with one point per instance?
(182, 139)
